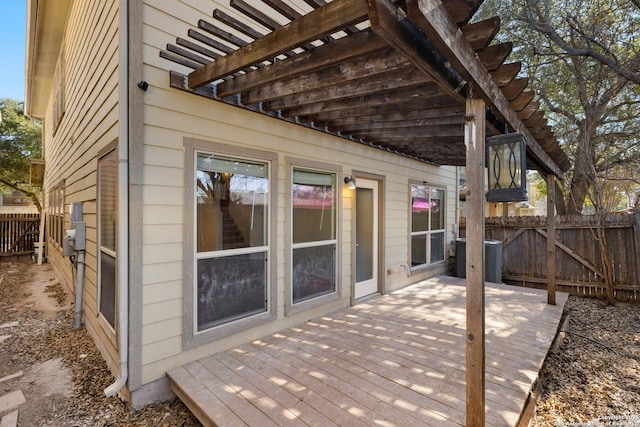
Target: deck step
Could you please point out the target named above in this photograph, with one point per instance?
(202, 403)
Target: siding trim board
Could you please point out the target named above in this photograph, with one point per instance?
(136, 138)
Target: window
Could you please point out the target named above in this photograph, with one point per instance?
(231, 239)
(313, 234)
(107, 218)
(58, 93)
(427, 225)
(56, 214)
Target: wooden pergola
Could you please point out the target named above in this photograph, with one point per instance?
(412, 77)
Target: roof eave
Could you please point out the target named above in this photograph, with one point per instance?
(46, 22)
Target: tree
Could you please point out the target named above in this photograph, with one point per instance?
(592, 108)
(587, 30)
(20, 140)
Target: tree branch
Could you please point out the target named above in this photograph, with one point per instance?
(33, 196)
(543, 26)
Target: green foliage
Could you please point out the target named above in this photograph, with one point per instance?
(20, 140)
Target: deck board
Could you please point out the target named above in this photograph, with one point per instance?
(392, 360)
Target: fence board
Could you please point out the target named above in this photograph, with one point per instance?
(18, 233)
(578, 264)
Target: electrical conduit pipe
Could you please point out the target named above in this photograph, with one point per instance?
(79, 287)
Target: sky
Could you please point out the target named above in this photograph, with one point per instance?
(12, 35)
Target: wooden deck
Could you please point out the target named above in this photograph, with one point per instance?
(396, 359)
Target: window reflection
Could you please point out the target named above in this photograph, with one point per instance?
(313, 204)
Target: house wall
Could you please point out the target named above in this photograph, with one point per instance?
(170, 117)
(89, 123)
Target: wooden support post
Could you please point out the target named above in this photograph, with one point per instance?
(475, 145)
(41, 239)
(636, 228)
(551, 239)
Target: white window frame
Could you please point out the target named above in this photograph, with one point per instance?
(429, 232)
(307, 304)
(108, 328)
(55, 229)
(193, 337)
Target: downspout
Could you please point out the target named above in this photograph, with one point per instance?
(122, 237)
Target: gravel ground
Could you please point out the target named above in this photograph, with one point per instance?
(591, 379)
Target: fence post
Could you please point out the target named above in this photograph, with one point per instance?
(551, 240)
(41, 237)
(636, 228)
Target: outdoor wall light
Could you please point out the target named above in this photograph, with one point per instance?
(507, 164)
(143, 85)
(350, 181)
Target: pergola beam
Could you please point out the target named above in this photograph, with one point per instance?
(388, 134)
(388, 123)
(388, 112)
(319, 23)
(345, 49)
(425, 90)
(389, 23)
(350, 88)
(321, 77)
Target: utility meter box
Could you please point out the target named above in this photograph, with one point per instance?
(75, 239)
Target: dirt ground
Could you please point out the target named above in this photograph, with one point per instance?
(592, 379)
(63, 374)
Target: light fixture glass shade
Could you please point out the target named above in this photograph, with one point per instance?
(351, 182)
(506, 167)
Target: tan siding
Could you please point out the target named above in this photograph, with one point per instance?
(158, 331)
(159, 273)
(164, 291)
(160, 156)
(163, 176)
(160, 215)
(162, 195)
(162, 349)
(161, 253)
(155, 234)
(89, 124)
(153, 313)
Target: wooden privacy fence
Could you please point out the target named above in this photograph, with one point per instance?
(578, 262)
(18, 232)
